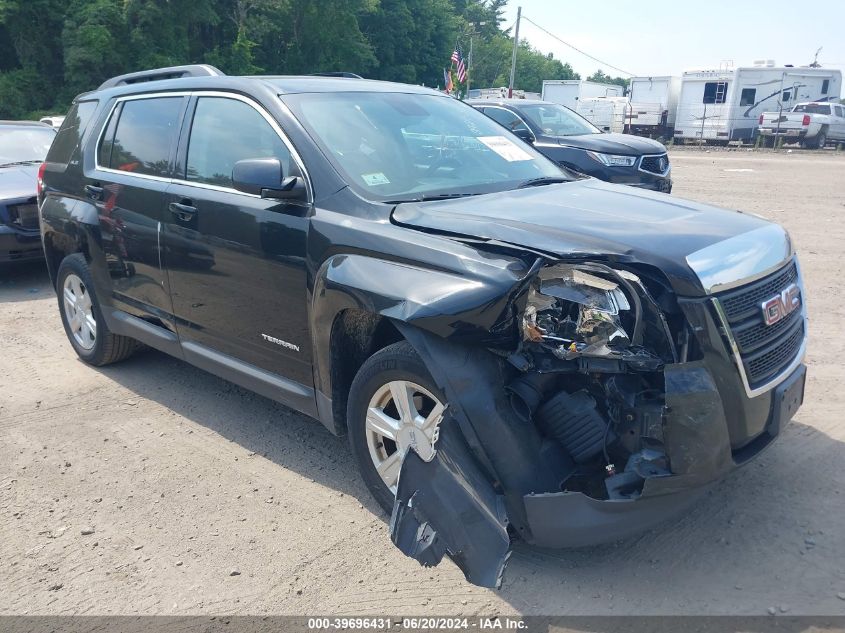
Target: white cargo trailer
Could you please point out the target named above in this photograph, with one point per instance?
(609, 114)
(569, 92)
(719, 106)
(654, 103)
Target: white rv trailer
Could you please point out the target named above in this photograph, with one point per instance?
(568, 92)
(724, 105)
(609, 114)
(654, 103)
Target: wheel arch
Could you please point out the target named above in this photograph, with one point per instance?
(68, 226)
(358, 301)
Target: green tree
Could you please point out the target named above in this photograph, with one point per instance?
(409, 38)
(93, 44)
(601, 77)
(51, 50)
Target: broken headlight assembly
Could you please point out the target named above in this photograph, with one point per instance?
(586, 311)
(594, 342)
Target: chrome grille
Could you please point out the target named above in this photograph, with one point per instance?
(747, 299)
(764, 351)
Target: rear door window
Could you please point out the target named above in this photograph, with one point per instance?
(144, 133)
(225, 131)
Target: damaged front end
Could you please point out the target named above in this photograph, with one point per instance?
(602, 420)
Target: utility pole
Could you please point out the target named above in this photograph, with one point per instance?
(515, 47)
(472, 33)
(469, 62)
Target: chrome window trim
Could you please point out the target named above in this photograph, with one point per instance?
(741, 259)
(204, 93)
(734, 347)
(655, 173)
(119, 100)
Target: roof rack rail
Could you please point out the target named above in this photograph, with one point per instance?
(338, 74)
(157, 74)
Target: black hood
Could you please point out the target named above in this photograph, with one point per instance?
(624, 144)
(18, 181)
(589, 218)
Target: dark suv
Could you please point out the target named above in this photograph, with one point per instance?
(571, 141)
(513, 354)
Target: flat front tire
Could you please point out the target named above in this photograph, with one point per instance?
(394, 406)
(82, 316)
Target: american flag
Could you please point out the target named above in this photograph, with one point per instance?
(458, 58)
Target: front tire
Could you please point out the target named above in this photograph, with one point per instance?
(82, 316)
(394, 406)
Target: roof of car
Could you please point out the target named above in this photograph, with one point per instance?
(280, 84)
(25, 124)
(514, 103)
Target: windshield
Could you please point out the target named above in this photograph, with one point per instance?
(555, 120)
(812, 108)
(24, 144)
(394, 146)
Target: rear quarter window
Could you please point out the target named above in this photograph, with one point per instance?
(67, 140)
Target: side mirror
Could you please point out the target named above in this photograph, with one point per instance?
(525, 134)
(263, 177)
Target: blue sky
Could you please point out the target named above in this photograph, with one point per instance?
(665, 37)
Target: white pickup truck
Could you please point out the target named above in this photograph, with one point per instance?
(812, 124)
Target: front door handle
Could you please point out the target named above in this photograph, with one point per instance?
(94, 192)
(183, 210)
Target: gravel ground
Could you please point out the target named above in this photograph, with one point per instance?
(152, 487)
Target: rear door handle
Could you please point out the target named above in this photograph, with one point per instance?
(183, 210)
(94, 192)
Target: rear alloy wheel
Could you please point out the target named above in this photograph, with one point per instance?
(820, 140)
(79, 312)
(82, 317)
(394, 407)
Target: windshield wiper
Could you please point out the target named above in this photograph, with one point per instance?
(21, 162)
(545, 180)
(439, 196)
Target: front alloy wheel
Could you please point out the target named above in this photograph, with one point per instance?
(394, 407)
(402, 416)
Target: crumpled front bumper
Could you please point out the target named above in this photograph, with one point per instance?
(443, 505)
(700, 451)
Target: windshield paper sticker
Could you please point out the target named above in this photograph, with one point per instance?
(505, 148)
(375, 179)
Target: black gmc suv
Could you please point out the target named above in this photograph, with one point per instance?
(512, 354)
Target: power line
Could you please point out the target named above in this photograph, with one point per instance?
(575, 48)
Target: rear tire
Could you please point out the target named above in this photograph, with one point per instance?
(397, 364)
(820, 140)
(82, 316)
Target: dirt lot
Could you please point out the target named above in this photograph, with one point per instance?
(185, 479)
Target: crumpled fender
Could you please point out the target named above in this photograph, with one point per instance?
(469, 308)
(472, 378)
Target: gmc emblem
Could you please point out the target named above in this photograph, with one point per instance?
(779, 306)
